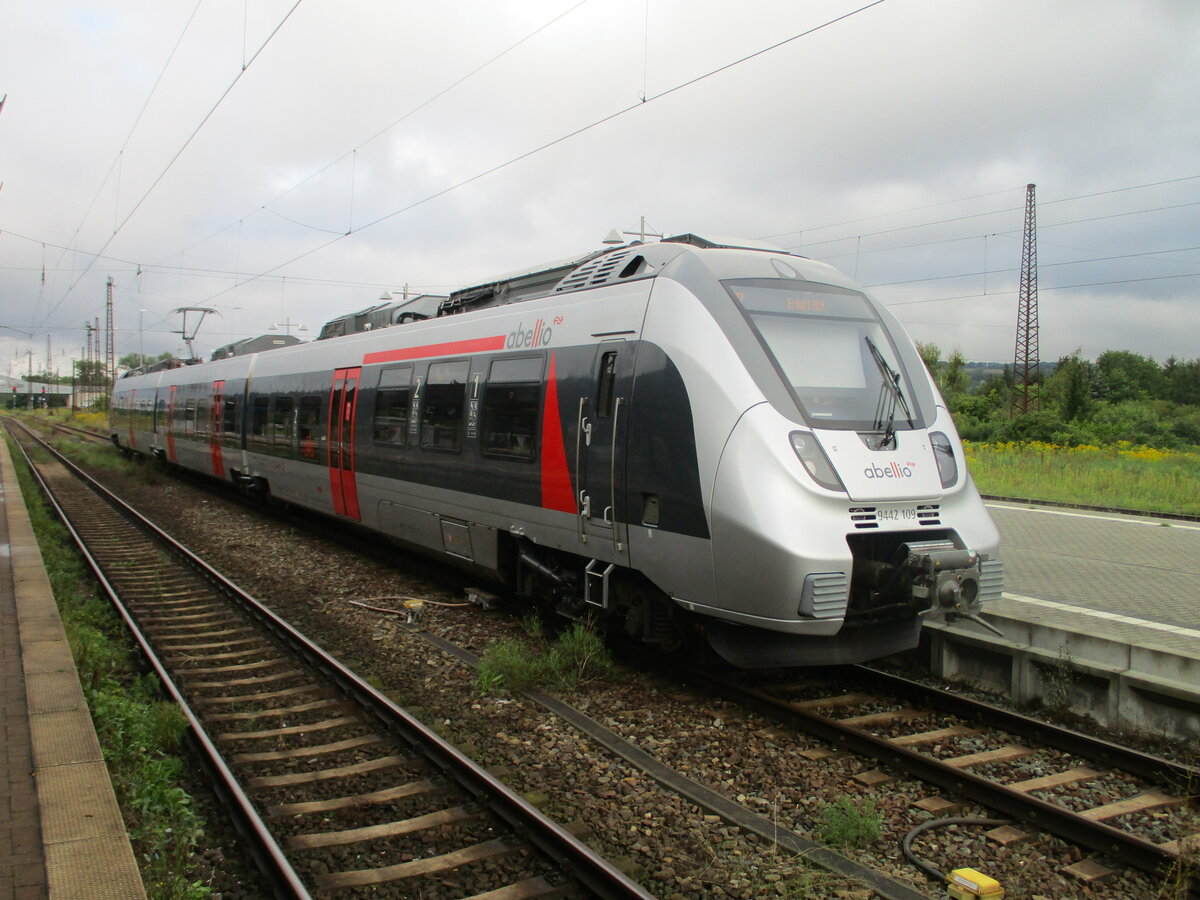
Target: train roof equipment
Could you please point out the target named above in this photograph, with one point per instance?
(383, 315)
(258, 344)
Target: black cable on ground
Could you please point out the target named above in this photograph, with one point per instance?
(938, 876)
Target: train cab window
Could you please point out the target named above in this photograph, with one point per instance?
(442, 410)
(605, 390)
(392, 402)
(308, 428)
(510, 408)
(258, 422)
(281, 430)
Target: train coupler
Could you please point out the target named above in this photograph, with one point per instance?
(941, 577)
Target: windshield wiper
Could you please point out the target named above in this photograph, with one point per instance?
(889, 395)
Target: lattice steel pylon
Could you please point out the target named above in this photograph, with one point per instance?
(110, 362)
(1026, 393)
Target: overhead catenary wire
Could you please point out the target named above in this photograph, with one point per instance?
(1043, 266)
(265, 207)
(171, 162)
(642, 101)
(1041, 204)
(1044, 289)
(129, 136)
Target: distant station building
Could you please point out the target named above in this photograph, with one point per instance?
(21, 394)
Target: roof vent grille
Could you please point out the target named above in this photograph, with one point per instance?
(601, 270)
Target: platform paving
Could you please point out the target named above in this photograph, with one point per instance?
(61, 831)
(1146, 569)
(22, 862)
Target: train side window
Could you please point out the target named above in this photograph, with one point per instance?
(607, 385)
(229, 421)
(201, 422)
(308, 427)
(442, 410)
(187, 418)
(258, 422)
(510, 408)
(282, 430)
(392, 402)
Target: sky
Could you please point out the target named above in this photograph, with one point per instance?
(285, 162)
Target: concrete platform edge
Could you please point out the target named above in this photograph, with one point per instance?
(1123, 672)
(85, 844)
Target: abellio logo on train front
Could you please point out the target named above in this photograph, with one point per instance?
(891, 470)
(521, 338)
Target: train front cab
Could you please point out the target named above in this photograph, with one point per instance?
(836, 523)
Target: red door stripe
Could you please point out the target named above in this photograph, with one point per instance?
(171, 426)
(557, 493)
(450, 348)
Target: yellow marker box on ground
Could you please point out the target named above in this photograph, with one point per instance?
(968, 884)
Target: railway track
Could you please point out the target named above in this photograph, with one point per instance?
(979, 752)
(337, 789)
(983, 765)
(81, 433)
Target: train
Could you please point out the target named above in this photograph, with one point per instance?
(697, 441)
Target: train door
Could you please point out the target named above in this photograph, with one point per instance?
(171, 423)
(214, 428)
(133, 416)
(598, 454)
(343, 399)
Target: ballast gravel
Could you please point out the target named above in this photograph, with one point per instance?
(675, 849)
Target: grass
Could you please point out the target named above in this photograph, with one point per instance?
(577, 657)
(1122, 476)
(847, 823)
(139, 733)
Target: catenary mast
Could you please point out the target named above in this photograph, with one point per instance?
(1025, 394)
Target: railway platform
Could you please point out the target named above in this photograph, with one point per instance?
(1101, 612)
(61, 832)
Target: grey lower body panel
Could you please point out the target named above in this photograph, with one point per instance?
(753, 648)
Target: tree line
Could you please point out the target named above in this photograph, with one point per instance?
(1120, 396)
(91, 371)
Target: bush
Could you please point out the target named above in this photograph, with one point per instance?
(1042, 426)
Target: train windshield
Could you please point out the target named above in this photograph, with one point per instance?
(834, 351)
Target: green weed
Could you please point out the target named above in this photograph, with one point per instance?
(577, 657)
(531, 623)
(846, 823)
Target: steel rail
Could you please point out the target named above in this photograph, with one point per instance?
(78, 432)
(1128, 848)
(1136, 762)
(266, 852)
(592, 871)
(883, 884)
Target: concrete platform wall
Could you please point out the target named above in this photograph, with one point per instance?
(1127, 674)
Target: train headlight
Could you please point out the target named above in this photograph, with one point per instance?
(943, 452)
(815, 461)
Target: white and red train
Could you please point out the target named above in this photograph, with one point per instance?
(691, 437)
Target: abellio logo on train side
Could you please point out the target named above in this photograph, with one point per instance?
(521, 339)
(891, 470)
